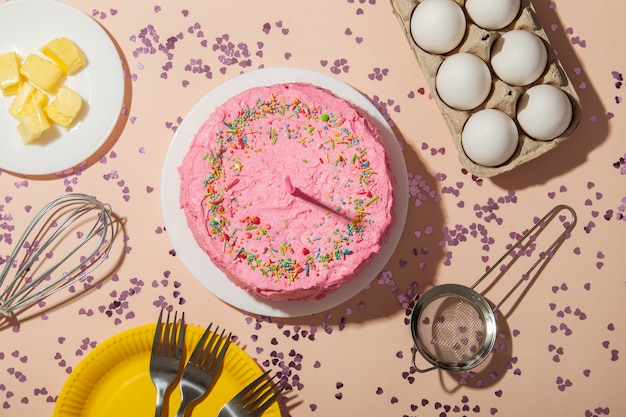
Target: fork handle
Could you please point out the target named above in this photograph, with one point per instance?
(181, 410)
(189, 392)
(159, 402)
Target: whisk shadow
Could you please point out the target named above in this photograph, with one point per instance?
(72, 293)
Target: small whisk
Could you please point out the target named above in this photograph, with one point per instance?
(45, 256)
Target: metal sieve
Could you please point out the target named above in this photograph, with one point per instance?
(454, 327)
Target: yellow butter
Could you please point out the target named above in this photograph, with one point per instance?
(9, 91)
(66, 54)
(65, 106)
(26, 100)
(41, 72)
(9, 73)
(33, 125)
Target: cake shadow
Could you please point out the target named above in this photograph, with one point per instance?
(412, 267)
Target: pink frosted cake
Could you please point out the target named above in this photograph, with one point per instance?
(288, 189)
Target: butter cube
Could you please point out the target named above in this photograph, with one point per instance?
(33, 125)
(12, 90)
(41, 72)
(27, 99)
(9, 73)
(66, 54)
(64, 107)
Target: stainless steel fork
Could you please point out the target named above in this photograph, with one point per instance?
(165, 359)
(202, 367)
(253, 400)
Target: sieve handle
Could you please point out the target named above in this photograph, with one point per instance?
(421, 371)
(548, 252)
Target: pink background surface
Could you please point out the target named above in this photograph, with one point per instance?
(561, 349)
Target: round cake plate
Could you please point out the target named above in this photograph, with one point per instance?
(27, 25)
(198, 262)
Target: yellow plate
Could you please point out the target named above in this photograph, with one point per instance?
(114, 379)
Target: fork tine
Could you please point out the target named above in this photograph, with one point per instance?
(181, 337)
(261, 392)
(261, 396)
(198, 350)
(164, 348)
(209, 350)
(255, 398)
(251, 387)
(157, 335)
(275, 394)
(215, 353)
(169, 341)
(222, 353)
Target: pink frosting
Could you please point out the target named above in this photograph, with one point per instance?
(288, 190)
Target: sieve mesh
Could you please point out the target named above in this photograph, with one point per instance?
(451, 329)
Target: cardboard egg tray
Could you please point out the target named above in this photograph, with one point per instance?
(503, 96)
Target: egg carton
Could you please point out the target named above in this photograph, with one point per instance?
(503, 96)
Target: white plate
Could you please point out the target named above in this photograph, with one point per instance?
(27, 25)
(199, 263)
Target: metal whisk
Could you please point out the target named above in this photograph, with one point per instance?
(47, 260)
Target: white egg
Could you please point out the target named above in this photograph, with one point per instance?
(438, 26)
(519, 57)
(489, 137)
(492, 14)
(544, 112)
(463, 81)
